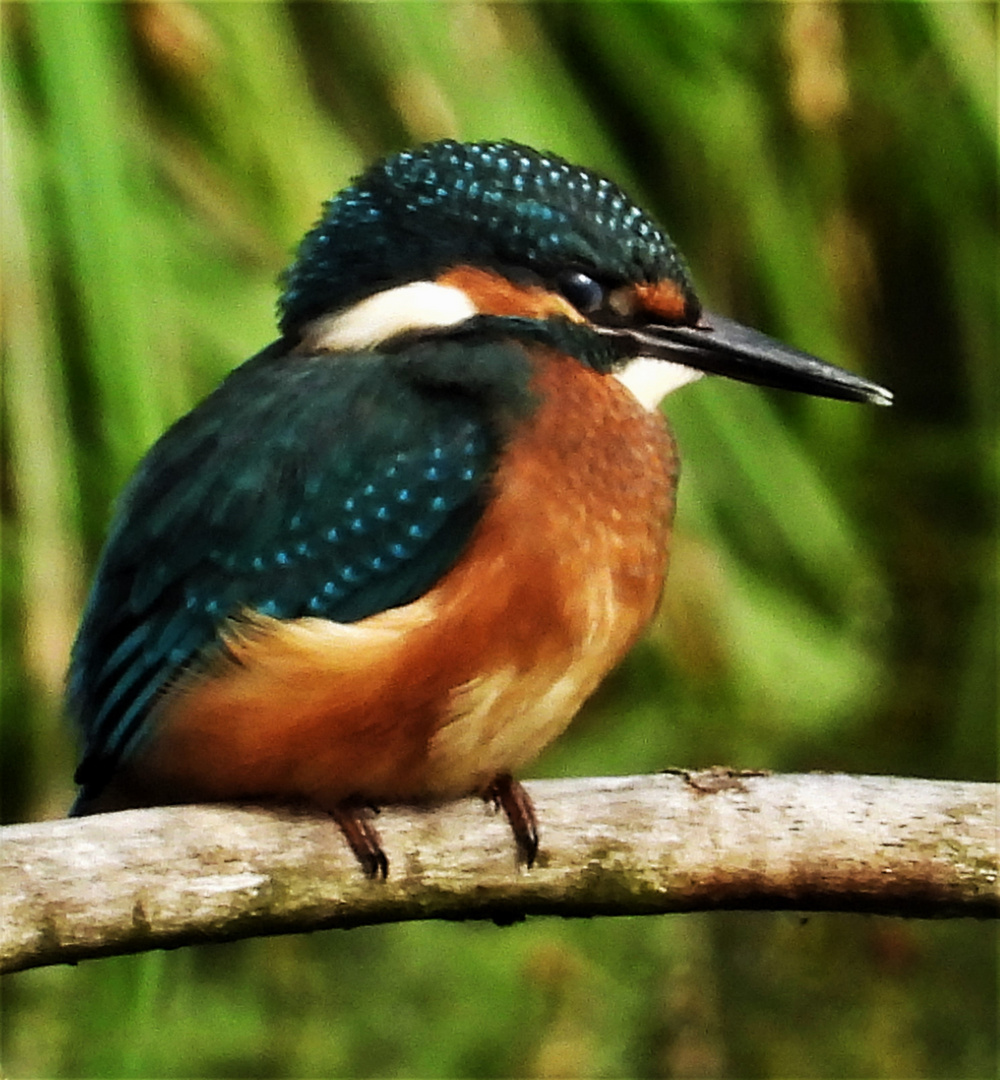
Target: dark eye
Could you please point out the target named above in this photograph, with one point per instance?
(585, 294)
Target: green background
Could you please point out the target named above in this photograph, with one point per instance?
(831, 173)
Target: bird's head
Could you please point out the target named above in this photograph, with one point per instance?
(457, 238)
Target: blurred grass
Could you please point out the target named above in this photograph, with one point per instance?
(830, 172)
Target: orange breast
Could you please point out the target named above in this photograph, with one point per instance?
(433, 699)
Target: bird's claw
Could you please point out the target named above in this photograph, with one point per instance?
(506, 794)
(363, 838)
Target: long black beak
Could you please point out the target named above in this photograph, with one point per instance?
(723, 347)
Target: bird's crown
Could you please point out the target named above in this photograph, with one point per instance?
(497, 204)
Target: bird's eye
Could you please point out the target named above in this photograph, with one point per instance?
(585, 294)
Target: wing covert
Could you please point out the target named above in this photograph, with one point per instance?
(332, 486)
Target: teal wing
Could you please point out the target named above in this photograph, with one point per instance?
(329, 486)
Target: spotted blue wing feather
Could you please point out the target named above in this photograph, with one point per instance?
(331, 486)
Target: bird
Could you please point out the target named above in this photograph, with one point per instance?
(391, 555)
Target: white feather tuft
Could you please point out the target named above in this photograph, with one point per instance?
(650, 379)
(407, 309)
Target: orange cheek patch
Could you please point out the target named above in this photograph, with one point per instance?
(493, 294)
(663, 299)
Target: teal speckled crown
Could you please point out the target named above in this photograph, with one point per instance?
(485, 203)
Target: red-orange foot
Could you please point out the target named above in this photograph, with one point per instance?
(354, 820)
(507, 794)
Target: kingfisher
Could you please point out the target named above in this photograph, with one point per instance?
(391, 555)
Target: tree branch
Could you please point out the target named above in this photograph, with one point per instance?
(169, 876)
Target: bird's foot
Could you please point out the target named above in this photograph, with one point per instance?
(507, 794)
(354, 819)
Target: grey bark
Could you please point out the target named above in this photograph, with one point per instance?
(170, 876)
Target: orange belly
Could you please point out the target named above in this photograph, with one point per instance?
(433, 699)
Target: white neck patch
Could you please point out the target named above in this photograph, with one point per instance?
(421, 305)
(650, 380)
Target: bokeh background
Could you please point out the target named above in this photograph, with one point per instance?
(831, 173)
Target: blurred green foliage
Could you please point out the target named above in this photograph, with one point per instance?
(831, 173)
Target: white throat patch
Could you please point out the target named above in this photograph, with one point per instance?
(421, 305)
(650, 380)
